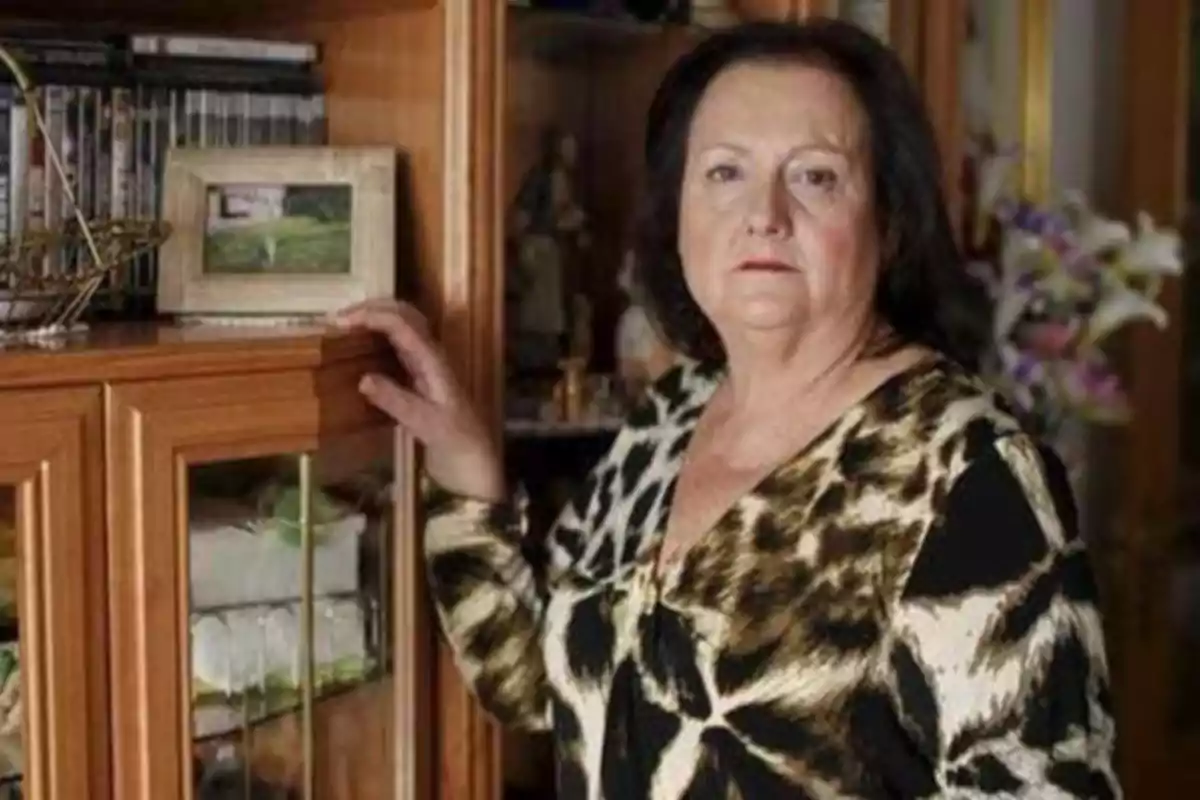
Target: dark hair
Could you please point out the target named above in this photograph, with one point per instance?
(925, 293)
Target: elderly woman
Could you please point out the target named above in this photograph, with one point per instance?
(821, 560)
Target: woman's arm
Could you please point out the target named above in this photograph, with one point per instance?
(490, 600)
(999, 664)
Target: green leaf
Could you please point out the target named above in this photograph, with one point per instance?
(285, 512)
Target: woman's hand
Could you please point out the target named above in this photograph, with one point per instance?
(460, 453)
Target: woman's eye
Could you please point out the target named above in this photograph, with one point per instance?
(722, 173)
(817, 177)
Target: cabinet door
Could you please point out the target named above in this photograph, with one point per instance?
(267, 636)
(53, 727)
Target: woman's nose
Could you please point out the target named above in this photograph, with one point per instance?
(768, 212)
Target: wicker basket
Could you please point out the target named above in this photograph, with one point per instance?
(48, 276)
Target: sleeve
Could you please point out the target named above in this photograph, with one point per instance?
(490, 597)
(998, 664)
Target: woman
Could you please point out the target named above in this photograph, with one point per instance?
(820, 560)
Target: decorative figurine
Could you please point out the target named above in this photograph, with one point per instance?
(574, 389)
(642, 355)
(548, 247)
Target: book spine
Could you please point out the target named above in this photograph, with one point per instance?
(68, 185)
(108, 297)
(122, 153)
(85, 150)
(55, 197)
(320, 131)
(18, 166)
(35, 177)
(279, 130)
(69, 148)
(103, 166)
(6, 163)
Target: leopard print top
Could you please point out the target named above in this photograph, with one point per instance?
(904, 609)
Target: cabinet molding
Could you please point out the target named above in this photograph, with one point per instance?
(472, 323)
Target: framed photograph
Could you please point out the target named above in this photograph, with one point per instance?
(277, 231)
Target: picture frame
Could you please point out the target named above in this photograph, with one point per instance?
(277, 231)
(1007, 72)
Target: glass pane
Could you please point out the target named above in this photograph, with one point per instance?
(290, 623)
(11, 750)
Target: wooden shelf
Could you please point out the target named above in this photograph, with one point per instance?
(218, 15)
(126, 351)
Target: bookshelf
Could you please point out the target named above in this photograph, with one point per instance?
(462, 89)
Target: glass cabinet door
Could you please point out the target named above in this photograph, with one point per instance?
(53, 726)
(290, 651)
(291, 623)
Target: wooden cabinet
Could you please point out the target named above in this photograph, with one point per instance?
(218, 576)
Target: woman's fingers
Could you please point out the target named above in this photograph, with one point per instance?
(406, 310)
(410, 313)
(408, 332)
(408, 409)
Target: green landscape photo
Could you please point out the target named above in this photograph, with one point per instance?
(264, 229)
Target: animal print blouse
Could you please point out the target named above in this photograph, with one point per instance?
(902, 610)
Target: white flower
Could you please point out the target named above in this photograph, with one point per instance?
(1155, 251)
(1120, 306)
(1094, 233)
(1018, 258)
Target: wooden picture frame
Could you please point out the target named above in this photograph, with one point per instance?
(1008, 58)
(263, 259)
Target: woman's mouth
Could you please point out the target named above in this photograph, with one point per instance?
(765, 265)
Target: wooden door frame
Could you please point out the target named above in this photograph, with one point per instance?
(1154, 168)
(1153, 176)
(470, 320)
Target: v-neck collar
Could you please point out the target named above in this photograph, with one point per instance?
(702, 382)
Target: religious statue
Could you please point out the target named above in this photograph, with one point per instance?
(549, 242)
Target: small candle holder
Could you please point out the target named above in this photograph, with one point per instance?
(574, 388)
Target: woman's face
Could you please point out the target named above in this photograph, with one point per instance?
(776, 228)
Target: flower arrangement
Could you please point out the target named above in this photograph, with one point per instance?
(1063, 279)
